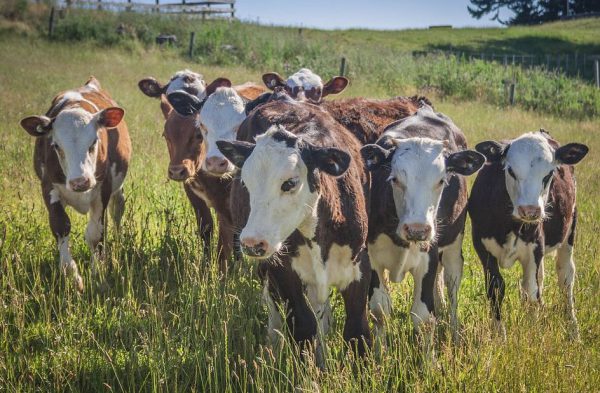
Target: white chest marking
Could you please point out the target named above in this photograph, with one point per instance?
(199, 192)
(80, 201)
(385, 255)
(510, 251)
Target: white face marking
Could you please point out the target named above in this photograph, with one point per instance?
(75, 139)
(304, 78)
(530, 159)
(185, 80)
(220, 118)
(418, 176)
(74, 96)
(274, 213)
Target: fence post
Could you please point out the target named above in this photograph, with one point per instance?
(51, 23)
(511, 93)
(192, 42)
(505, 61)
(343, 67)
(597, 72)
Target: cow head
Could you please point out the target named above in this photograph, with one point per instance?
(529, 164)
(305, 85)
(281, 174)
(184, 143)
(186, 80)
(419, 170)
(75, 137)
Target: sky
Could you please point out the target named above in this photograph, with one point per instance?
(373, 14)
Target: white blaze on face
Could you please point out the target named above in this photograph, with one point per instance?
(274, 213)
(219, 119)
(304, 80)
(75, 140)
(529, 165)
(417, 176)
(188, 81)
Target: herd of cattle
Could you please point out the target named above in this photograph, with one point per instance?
(351, 193)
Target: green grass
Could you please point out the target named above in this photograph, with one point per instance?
(161, 320)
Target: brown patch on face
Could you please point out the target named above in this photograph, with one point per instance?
(185, 145)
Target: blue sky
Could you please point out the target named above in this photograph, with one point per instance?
(374, 14)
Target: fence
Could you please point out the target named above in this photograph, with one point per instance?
(223, 9)
(575, 65)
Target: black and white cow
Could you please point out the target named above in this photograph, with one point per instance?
(522, 206)
(306, 208)
(418, 212)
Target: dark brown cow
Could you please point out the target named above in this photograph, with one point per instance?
(522, 206)
(418, 211)
(187, 146)
(303, 207)
(81, 157)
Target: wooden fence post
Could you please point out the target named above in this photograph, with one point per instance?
(597, 72)
(192, 42)
(51, 23)
(343, 67)
(511, 93)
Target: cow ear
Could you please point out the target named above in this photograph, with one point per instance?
(374, 156)
(110, 117)
(37, 125)
(165, 106)
(184, 103)
(492, 150)
(272, 80)
(261, 99)
(329, 160)
(236, 151)
(152, 88)
(570, 153)
(93, 82)
(214, 85)
(465, 162)
(336, 85)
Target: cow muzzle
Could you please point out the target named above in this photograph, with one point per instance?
(416, 232)
(80, 184)
(254, 247)
(529, 213)
(217, 165)
(178, 172)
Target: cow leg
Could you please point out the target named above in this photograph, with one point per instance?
(322, 312)
(116, 207)
(204, 218)
(565, 267)
(356, 328)
(380, 304)
(494, 284)
(94, 230)
(275, 322)
(61, 228)
(422, 310)
(533, 273)
(224, 246)
(453, 262)
(439, 301)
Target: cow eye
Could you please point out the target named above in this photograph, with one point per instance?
(393, 180)
(289, 185)
(93, 145)
(441, 182)
(547, 178)
(511, 173)
(198, 134)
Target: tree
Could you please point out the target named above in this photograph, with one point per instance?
(531, 11)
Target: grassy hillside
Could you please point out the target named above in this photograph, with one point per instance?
(160, 320)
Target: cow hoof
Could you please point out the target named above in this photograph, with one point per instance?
(78, 282)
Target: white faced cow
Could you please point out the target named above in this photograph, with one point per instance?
(305, 85)
(81, 157)
(185, 80)
(418, 211)
(305, 189)
(522, 206)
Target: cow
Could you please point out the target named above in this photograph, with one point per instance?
(522, 207)
(81, 157)
(187, 147)
(306, 190)
(418, 212)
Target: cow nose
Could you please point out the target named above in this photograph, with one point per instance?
(254, 247)
(80, 184)
(216, 164)
(178, 172)
(530, 212)
(417, 232)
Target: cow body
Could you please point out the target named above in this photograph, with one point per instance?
(522, 207)
(418, 211)
(318, 241)
(81, 157)
(188, 146)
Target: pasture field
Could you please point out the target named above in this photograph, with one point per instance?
(159, 318)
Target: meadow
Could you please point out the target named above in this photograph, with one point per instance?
(160, 319)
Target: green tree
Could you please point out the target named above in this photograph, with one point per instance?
(531, 11)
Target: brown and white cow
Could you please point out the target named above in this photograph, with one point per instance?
(522, 207)
(305, 188)
(188, 147)
(418, 212)
(82, 151)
